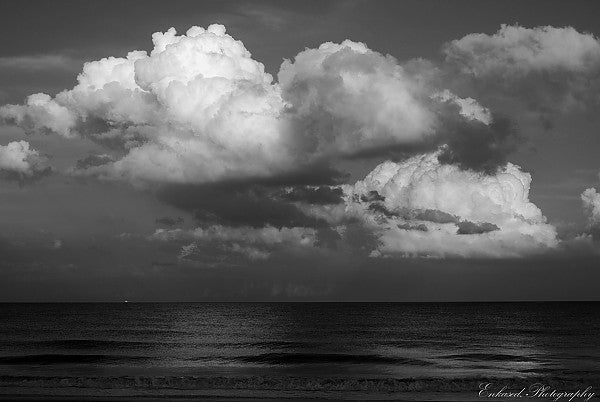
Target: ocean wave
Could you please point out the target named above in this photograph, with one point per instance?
(490, 357)
(323, 358)
(46, 359)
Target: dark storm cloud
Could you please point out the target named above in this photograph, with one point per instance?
(477, 146)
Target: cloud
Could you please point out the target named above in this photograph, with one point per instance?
(518, 50)
(18, 160)
(40, 113)
(549, 68)
(478, 146)
(427, 208)
(591, 205)
(349, 99)
(469, 107)
(199, 109)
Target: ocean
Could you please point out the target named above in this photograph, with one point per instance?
(404, 351)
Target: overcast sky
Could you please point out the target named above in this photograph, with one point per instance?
(313, 150)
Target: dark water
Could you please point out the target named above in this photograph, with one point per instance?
(296, 346)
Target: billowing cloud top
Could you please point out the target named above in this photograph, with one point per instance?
(426, 208)
(200, 109)
(349, 98)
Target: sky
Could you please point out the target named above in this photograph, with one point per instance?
(287, 151)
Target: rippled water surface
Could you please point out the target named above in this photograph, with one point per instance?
(106, 345)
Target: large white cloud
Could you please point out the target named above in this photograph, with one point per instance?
(18, 159)
(422, 207)
(199, 108)
(349, 98)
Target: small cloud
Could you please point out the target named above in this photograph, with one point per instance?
(20, 162)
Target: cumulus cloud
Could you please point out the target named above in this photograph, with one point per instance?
(426, 208)
(18, 160)
(519, 50)
(420, 207)
(198, 108)
(547, 67)
(349, 99)
(40, 113)
(199, 113)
